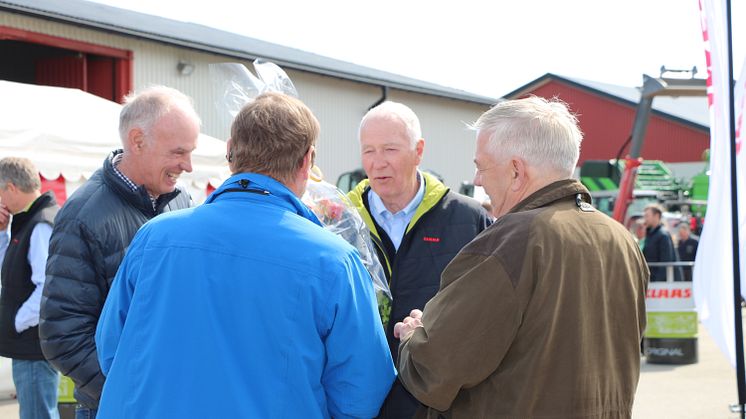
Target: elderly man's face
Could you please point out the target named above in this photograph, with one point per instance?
(167, 151)
(389, 159)
(494, 176)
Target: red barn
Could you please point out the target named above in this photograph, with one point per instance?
(678, 130)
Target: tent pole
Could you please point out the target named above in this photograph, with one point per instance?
(740, 374)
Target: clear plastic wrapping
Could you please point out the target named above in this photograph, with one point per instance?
(237, 86)
(336, 212)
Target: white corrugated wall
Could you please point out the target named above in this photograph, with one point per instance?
(338, 104)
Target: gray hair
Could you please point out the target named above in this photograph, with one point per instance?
(143, 109)
(400, 112)
(21, 172)
(542, 132)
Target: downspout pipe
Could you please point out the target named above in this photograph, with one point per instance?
(384, 96)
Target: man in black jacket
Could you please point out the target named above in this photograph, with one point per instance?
(687, 248)
(158, 128)
(417, 224)
(658, 244)
(24, 256)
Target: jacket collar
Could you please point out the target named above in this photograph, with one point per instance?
(652, 230)
(434, 191)
(262, 187)
(140, 198)
(44, 200)
(555, 191)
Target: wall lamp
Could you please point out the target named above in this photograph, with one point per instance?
(185, 68)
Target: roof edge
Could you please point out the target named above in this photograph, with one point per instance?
(449, 93)
(548, 77)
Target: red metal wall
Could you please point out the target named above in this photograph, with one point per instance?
(62, 71)
(101, 77)
(607, 124)
(103, 71)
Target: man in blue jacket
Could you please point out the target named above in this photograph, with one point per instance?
(245, 307)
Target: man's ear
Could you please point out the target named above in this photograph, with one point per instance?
(305, 164)
(308, 159)
(518, 174)
(419, 147)
(11, 187)
(136, 140)
(229, 154)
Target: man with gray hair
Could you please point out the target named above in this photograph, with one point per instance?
(542, 314)
(159, 129)
(417, 224)
(23, 254)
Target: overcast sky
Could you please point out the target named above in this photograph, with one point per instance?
(484, 47)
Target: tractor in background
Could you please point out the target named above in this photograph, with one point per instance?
(637, 174)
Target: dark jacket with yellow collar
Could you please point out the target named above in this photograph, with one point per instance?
(443, 223)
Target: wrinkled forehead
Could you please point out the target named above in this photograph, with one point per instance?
(384, 129)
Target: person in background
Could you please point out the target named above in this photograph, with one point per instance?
(23, 253)
(542, 314)
(246, 306)
(637, 228)
(417, 224)
(159, 129)
(658, 244)
(687, 248)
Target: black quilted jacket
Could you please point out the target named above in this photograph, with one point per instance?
(91, 233)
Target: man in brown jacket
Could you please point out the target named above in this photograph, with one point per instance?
(542, 314)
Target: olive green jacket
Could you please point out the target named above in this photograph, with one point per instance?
(540, 316)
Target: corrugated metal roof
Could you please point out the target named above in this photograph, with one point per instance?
(203, 38)
(691, 110)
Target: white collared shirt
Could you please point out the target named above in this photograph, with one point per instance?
(28, 314)
(395, 224)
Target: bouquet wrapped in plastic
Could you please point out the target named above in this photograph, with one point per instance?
(238, 86)
(338, 215)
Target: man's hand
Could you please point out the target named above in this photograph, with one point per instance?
(4, 217)
(405, 328)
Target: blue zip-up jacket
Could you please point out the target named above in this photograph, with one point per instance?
(244, 307)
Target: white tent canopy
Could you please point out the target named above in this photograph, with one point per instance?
(69, 132)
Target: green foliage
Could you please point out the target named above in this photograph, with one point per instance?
(384, 307)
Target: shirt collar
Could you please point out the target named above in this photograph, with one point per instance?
(377, 206)
(115, 160)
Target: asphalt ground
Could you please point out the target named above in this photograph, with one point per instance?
(703, 390)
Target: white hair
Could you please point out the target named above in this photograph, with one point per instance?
(143, 109)
(542, 132)
(399, 112)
